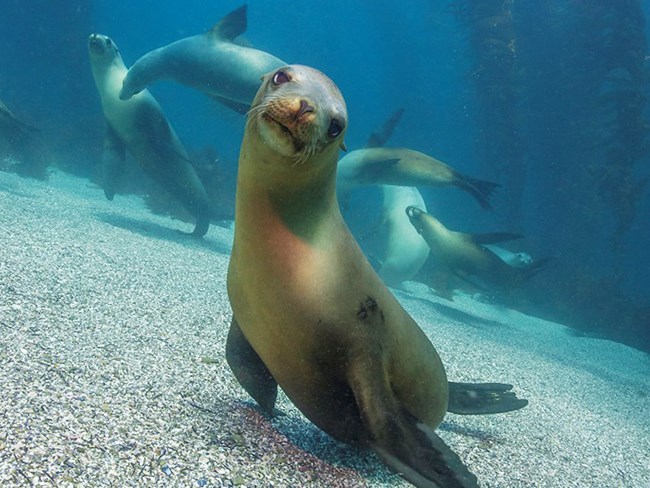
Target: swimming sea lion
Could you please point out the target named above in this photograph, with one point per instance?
(465, 256)
(210, 62)
(140, 126)
(309, 312)
(406, 167)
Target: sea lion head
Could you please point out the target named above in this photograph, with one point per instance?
(521, 260)
(416, 216)
(298, 112)
(103, 51)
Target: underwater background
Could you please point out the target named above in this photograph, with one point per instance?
(113, 326)
(547, 98)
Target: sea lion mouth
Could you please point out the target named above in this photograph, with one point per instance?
(295, 141)
(283, 128)
(95, 45)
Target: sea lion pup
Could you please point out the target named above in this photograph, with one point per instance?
(406, 167)
(309, 312)
(140, 126)
(210, 62)
(466, 256)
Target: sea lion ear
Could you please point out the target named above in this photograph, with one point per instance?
(343, 146)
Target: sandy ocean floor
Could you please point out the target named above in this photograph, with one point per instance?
(112, 332)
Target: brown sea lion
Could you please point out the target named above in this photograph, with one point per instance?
(309, 312)
(468, 256)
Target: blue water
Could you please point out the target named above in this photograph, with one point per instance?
(414, 55)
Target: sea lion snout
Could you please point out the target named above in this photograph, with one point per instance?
(95, 43)
(98, 44)
(305, 108)
(298, 112)
(413, 212)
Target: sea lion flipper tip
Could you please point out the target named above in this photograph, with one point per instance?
(483, 398)
(430, 462)
(232, 25)
(482, 190)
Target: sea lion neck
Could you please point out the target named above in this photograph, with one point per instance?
(300, 197)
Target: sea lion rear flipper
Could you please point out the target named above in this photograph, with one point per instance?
(113, 162)
(407, 446)
(480, 189)
(249, 369)
(482, 398)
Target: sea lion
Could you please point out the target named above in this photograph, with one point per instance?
(309, 312)
(406, 167)
(406, 250)
(465, 255)
(210, 62)
(140, 126)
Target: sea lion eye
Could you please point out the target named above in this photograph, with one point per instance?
(280, 77)
(335, 128)
(108, 42)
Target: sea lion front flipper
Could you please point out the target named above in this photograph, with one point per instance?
(407, 446)
(495, 237)
(113, 162)
(249, 369)
(482, 398)
(379, 137)
(232, 25)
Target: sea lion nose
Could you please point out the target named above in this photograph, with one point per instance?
(412, 212)
(305, 108)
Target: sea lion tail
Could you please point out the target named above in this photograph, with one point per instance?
(483, 398)
(480, 189)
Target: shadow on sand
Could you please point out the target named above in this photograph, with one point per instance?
(153, 230)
